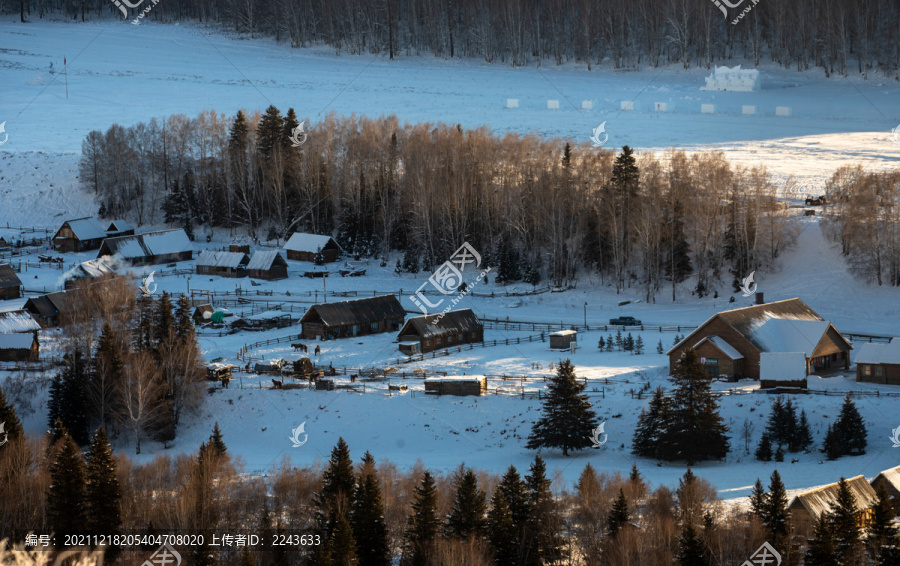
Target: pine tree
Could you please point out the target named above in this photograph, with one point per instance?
(163, 320)
(102, 492)
(423, 524)
(342, 543)
(779, 454)
(501, 532)
(216, 442)
(776, 517)
(620, 342)
(105, 375)
(882, 534)
(411, 261)
(847, 532)
(804, 434)
(618, 515)
(12, 424)
(653, 426)
(338, 483)
(609, 343)
(68, 397)
(690, 547)
(659, 348)
(847, 436)
(602, 344)
(467, 515)
(287, 131)
(698, 431)
(628, 343)
(758, 500)
(367, 518)
(544, 521)
(764, 449)
(66, 502)
(269, 133)
(820, 548)
(639, 346)
(184, 322)
(567, 417)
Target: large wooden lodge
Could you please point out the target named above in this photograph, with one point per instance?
(353, 318)
(426, 333)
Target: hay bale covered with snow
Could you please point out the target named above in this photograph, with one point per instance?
(733, 79)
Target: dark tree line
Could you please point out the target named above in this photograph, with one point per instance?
(843, 37)
(533, 207)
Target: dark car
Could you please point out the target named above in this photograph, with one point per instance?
(625, 321)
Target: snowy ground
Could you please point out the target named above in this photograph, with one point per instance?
(123, 73)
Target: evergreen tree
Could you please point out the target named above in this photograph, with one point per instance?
(758, 500)
(628, 343)
(269, 133)
(163, 320)
(653, 426)
(501, 532)
(609, 343)
(690, 547)
(776, 517)
(846, 529)
(659, 348)
(411, 261)
(764, 449)
(544, 521)
(66, 502)
(676, 250)
(367, 518)
(12, 424)
(567, 417)
(216, 442)
(105, 375)
(68, 397)
(618, 515)
(342, 543)
(602, 344)
(847, 437)
(467, 515)
(338, 483)
(820, 548)
(779, 454)
(804, 434)
(620, 342)
(102, 492)
(184, 322)
(290, 122)
(423, 524)
(698, 431)
(882, 534)
(639, 346)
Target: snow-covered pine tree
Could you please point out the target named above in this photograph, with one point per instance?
(467, 514)
(653, 426)
(567, 417)
(764, 449)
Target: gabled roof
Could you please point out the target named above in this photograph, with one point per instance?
(92, 269)
(8, 277)
(264, 260)
(54, 304)
(359, 311)
(16, 341)
(872, 353)
(312, 243)
(116, 226)
(783, 326)
(85, 229)
(821, 500)
(150, 244)
(453, 322)
(891, 476)
(42, 306)
(222, 259)
(14, 322)
(722, 345)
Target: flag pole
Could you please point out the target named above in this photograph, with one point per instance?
(66, 71)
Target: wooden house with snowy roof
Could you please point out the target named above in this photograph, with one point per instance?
(807, 507)
(10, 284)
(307, 247)
(879, 363)
(732, 343)
(83, 234)
(436, 331)
(352, 318)
(267, 264)
(890, 479)
(164, 246)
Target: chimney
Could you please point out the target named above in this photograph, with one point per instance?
(759, 299)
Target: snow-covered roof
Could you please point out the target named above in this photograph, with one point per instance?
(821, 500)
(302, 242)
(219, 365)
(872, 353)
(454, 378)
(786, 335)
(891, 476)
(564, 333)
(8, 277)
(782, 366)
(118, 226)
(452, 322)
(16, 341)
(263, 259)
(722, 345)
(164, 242)
(87, 229)
(14, 322)
(222, 259)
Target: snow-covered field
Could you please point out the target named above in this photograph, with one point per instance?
(121, 73)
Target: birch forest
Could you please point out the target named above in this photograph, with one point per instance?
(540, 209)
(843, 37)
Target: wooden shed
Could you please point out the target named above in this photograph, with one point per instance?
(563, 339)
(19, 347)
(219, 371)
(307, 247)
(224, 264)
(732, 341)
(441, 330)
(91, 269)
(268, 264)
(53, 309)
(879, 363)
(202, 313)
(353, 318)
(78, 235)
(10, 284)
(806, 507)
(456, 385)
(164, 246)
(890, 479)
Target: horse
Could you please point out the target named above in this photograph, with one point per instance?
(298, 346)
(318, 349)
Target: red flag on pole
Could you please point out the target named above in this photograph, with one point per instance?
(64, 61)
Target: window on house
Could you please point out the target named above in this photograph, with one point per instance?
(879, 371)
(374, 327)
(427, 343)
(867, 370)
(438, 341)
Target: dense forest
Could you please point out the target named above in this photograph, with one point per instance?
(843, 37)
(534, 207)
